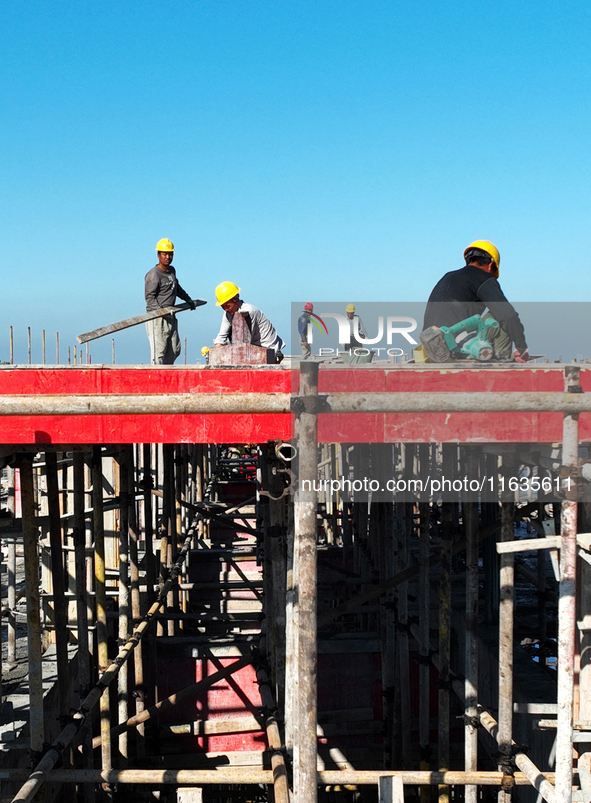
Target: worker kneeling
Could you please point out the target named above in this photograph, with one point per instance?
(244, 324)
(455, 327)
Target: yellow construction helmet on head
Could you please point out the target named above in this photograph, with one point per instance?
(491, 250)
(350, 308)
(224, 292)
(164, 245)
(205, 350)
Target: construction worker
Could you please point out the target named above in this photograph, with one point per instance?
(303, 322)
(262, 331)
(469, 291)
(355, 323)
(161, 290)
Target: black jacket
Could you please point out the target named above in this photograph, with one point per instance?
(469, 291)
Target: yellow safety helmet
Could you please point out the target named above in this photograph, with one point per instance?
(224, 292)
(164, 245)
(350, 308)
(491, 250)
(205, 350)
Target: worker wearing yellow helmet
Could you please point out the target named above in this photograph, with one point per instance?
(356, 330)
(161, 289)
(460, 294)
(262, 331)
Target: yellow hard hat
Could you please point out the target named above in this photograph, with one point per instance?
(224, 292)
(164, 245)
(205, 350)
(491, 250)
(350, 308)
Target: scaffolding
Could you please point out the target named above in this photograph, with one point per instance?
(420, 598)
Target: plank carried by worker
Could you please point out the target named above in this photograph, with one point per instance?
(127, 322)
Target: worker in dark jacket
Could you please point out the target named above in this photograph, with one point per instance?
(469, 291)
(161, 289)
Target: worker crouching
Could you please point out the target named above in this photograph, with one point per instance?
(453, 327)
(252, 326)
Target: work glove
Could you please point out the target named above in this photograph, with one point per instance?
(192, 305)
(520, 356)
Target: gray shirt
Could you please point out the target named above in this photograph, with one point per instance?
(162, 288)
(262, 330)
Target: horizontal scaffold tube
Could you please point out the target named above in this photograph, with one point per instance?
(250, 403)
(239, 775)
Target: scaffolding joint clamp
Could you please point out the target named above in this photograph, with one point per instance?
(468, 720)
(310, 404)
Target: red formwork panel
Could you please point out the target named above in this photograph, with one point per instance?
(142, 380)
(236, 697)
(259, 428)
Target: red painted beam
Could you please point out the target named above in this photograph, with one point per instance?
(258, 428)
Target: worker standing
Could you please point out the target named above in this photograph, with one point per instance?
(356, 327)
(463, 293)
(262, 331)
(161, 290)
(303, 322)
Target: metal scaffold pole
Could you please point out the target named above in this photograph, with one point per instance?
(470, 516)
(567, 603)
(305, 749)
(31, 553)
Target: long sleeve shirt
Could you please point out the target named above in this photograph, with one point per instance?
(303, 322)
(469, 291)
(162, 288)
(262, 331)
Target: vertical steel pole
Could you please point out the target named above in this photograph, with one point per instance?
(101, 599)
(305, 744)
(424, 637)
(57, 348)
(147, 484)
(168, 524)
(29, 343)
(470, 514)
(122, 678)
(404, 527)
(506, 611)
(445, 627)
(567, 600)
(31, 554)
(43, 345)
(60, 607)
(127, 456)
(290, 637)
(11, 576)
(81, 612)
(11, 346)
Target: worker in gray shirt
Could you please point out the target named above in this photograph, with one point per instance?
(262, 331)
(355, 327)
(161, 290)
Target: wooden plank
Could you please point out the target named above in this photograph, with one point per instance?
(127, 322)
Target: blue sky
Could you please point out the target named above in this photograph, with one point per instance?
(331, 151)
